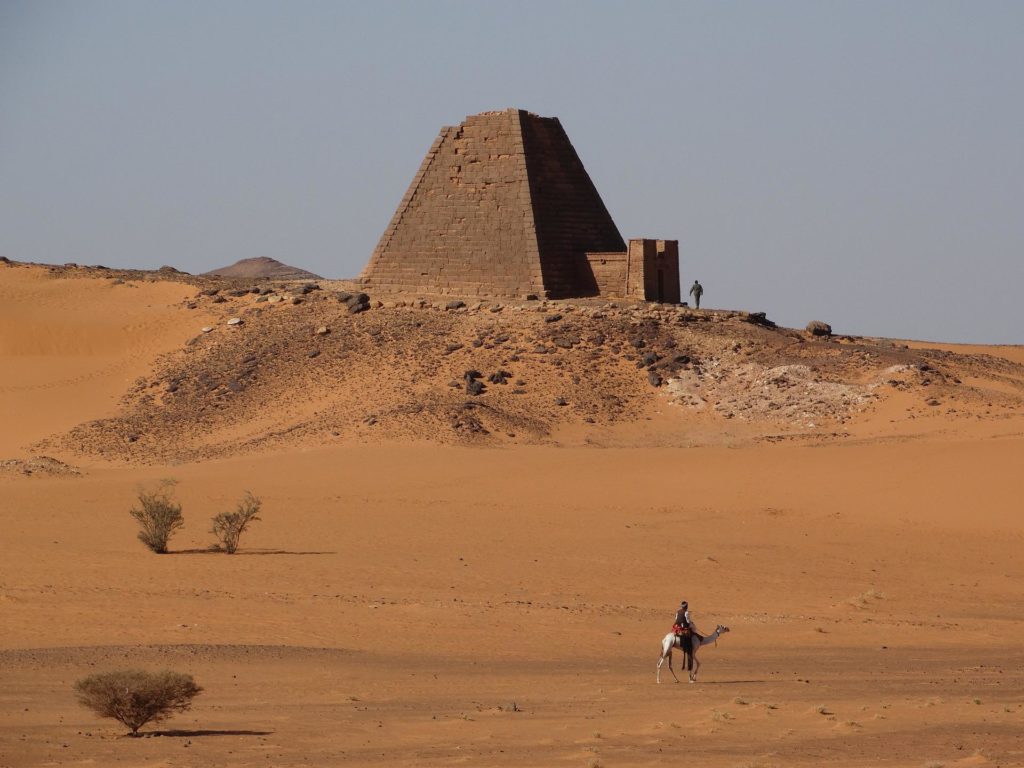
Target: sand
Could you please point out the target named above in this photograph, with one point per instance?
(409, 603)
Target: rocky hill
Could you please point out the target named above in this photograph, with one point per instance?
(311, 365)
(262, 267)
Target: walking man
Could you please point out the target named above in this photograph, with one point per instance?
(696, 290)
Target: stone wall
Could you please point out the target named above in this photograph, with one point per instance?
(646, 270)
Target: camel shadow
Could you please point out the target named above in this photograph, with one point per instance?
(196, 733)
(216, 551)
(733, 682)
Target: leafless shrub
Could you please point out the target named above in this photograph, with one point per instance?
(228, 527)
(135, 697)
(159, 515)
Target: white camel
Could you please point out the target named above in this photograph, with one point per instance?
(672, 640)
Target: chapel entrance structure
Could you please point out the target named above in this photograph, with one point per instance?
(502, 206)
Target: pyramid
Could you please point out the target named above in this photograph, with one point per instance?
(502, 206)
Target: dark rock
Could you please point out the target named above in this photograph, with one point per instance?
(682, 359)
(759, 318)
(565, 342)
(209, 292)
(654, 378)
(452, 348)
(472, 374)
(518, 391)
(530, 297)
(315, 353)
(598, 340)
(649, 359)
(638, 343)
(474, 387)
(540, 349)
(309, 288)
(552, 318)
(455, 304)
(477, 343)
(560, 401)
(818, 328)
(355, 309)
(239, 292)
(296, 300)
(219, 300)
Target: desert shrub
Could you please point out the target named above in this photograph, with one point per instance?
(228, 527)
(135, 697)
(158, 515)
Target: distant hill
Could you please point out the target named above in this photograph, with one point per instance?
(263, 266)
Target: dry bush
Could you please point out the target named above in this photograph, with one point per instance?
(228, 527)
(135, 697)
(160, 516)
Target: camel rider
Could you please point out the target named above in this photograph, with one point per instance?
(683, 625)
(684, 629)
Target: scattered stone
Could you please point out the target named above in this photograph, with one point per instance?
(274, 299)
(552, 318)
(209, 292)
(239, 292)
(262, 299)
(206, 329)
(323, 330)
(452, 348)
(818, 328)
(649, 359)
(308, 288)
(296, 300)
(474, 387)
(455, 384)
(654, 378)
(530, 297)
(235, 321)
(191, 305)
(564, 342)
(454, 304)
(560, 401)
(472, 374)
(219, 300)
(638, 343)
(314, 353)
(477, 343)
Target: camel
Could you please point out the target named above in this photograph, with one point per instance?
(672, 640)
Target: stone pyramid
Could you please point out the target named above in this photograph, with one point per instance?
(501, 206)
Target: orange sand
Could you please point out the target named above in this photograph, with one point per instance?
(397, 599)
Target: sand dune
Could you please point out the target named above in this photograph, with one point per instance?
(401, 594)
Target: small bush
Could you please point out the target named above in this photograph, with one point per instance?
(159, 515)
(228, 527)
(134, 697)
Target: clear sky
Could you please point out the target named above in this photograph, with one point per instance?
(859, 162)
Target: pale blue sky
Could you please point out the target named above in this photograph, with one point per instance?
(860, 163)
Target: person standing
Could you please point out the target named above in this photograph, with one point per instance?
(696, 290)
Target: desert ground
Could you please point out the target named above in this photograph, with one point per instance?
(442, 578)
